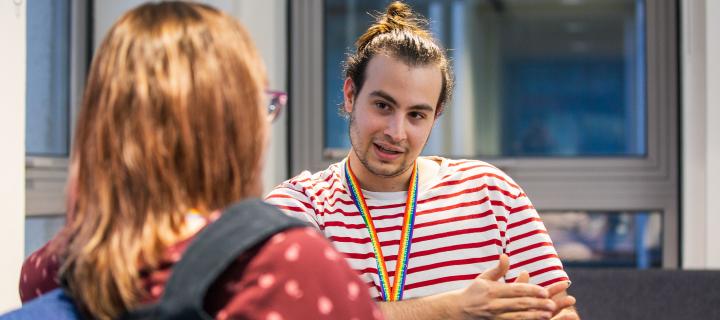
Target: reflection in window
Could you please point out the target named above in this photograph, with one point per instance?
(48, 78)
(534, 77)
(606, 239)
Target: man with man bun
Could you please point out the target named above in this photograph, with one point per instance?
(433, 238)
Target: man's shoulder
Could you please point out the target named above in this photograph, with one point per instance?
(472, 169)
(330, 177)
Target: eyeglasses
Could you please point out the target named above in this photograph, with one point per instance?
(276, 102)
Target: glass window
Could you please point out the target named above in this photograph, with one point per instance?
(575, 99)
(39, 230)
(606, 239)
(48, 78)
(535, 78)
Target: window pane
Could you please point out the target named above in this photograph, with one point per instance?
(48, 77)
(606, 239)
(39, 230)
(547, 78)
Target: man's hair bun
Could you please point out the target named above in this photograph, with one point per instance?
(399, 9)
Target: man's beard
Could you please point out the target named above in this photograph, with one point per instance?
(361, 154)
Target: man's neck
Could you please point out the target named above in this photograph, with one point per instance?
(373, 182)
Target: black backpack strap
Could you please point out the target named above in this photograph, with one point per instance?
(239, 228)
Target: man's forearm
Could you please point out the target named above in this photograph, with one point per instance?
(439, 306)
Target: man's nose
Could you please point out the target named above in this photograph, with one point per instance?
(396, 129)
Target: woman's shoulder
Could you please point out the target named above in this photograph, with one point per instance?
(295, 274)
(39, 273)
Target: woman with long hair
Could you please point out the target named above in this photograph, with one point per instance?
(172, 129)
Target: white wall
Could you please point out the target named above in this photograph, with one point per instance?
(12, 144)
(700, 134)
(712, 121)
(267, 22)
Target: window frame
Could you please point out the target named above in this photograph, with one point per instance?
(46, 176)
(582, 183)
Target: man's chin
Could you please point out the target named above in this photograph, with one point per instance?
(386, 170)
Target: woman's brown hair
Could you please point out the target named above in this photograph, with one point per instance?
(400, 34)
(171, 121)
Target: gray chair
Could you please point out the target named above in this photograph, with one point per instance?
(645, 294)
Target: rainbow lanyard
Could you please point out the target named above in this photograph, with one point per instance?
(395, 292)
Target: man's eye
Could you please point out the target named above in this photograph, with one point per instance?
(417, 115)
(382, 105)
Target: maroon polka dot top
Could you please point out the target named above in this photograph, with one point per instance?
(294, 275)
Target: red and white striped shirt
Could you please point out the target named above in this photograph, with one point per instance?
(467, 215)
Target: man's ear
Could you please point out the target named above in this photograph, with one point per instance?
(348, 94)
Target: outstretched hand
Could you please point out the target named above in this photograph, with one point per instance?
(559, 295)
(487, 298)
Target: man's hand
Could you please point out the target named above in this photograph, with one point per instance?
(567, 314)
(564, 303)
(486, 298)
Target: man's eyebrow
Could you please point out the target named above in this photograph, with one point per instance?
(423, 107)
(384, 95)
(389, 98)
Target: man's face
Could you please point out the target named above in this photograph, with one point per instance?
(393, 114)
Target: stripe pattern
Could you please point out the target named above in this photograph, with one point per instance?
(465, 218)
